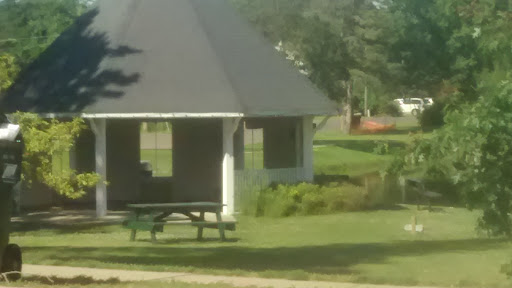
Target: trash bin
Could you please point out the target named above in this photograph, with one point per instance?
(356, 121)
(11, 149)
(146, 169)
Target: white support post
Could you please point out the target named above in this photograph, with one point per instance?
(229, 126)
(298, 144)
(307, 148)
(99, 127)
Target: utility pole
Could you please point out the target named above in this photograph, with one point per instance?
(366, 100)
(276, 6)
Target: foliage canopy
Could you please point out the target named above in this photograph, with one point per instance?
(45, 138)
(474, 151)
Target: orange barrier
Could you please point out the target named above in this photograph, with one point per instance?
(373, 127)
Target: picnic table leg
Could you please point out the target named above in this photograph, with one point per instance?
(200, 228)
(221, 226)
(133, 235)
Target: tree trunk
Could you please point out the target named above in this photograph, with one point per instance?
(346, 117)
(365, 113)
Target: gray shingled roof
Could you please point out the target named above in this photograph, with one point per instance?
(164, 56)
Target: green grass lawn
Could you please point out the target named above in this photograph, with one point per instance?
(354, 155)
(330, 158)
(356, 247)
(336, 154)
(161, 161)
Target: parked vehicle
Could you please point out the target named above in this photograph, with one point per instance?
(413, 106)
(428, 101)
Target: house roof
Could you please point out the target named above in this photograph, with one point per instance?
(164, 57)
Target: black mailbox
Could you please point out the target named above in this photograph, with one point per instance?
(11, 153)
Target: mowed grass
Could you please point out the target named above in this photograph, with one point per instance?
(161, 161)
(367, 246)
(334, 154)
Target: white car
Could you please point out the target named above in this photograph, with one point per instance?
(428, 101)
(413, 106)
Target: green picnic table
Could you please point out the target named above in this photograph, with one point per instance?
(153, 217)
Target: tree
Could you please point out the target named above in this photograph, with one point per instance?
(446, 44)
(473, 150)
(45, 138)
(33, 25)
(8, 71)
(29, 27)
(340, 42)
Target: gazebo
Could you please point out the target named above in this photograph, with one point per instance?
(195, 63)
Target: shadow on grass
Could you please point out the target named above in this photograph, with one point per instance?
(327, 259)
(79, 281)
(398, 131)
(367, 146)
(388, 207)
(323, 179)
(191, 240)
(97, 228)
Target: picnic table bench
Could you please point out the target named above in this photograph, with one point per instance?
(422, 193)
(152, 218)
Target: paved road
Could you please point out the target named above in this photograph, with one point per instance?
(129, 276)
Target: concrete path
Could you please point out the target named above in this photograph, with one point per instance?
(129, 276)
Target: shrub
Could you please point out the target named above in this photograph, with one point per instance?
(381, 148)
(275, 203)
(432, 117)
(354, 198)
(313, 204)
(309, 199)
(333, 198)
(346, 197)
(390, 108)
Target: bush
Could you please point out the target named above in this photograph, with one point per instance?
(347, 198)
(432, 117)
(381, 148)
(313, 204)
(309, 199)
(390, 108)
